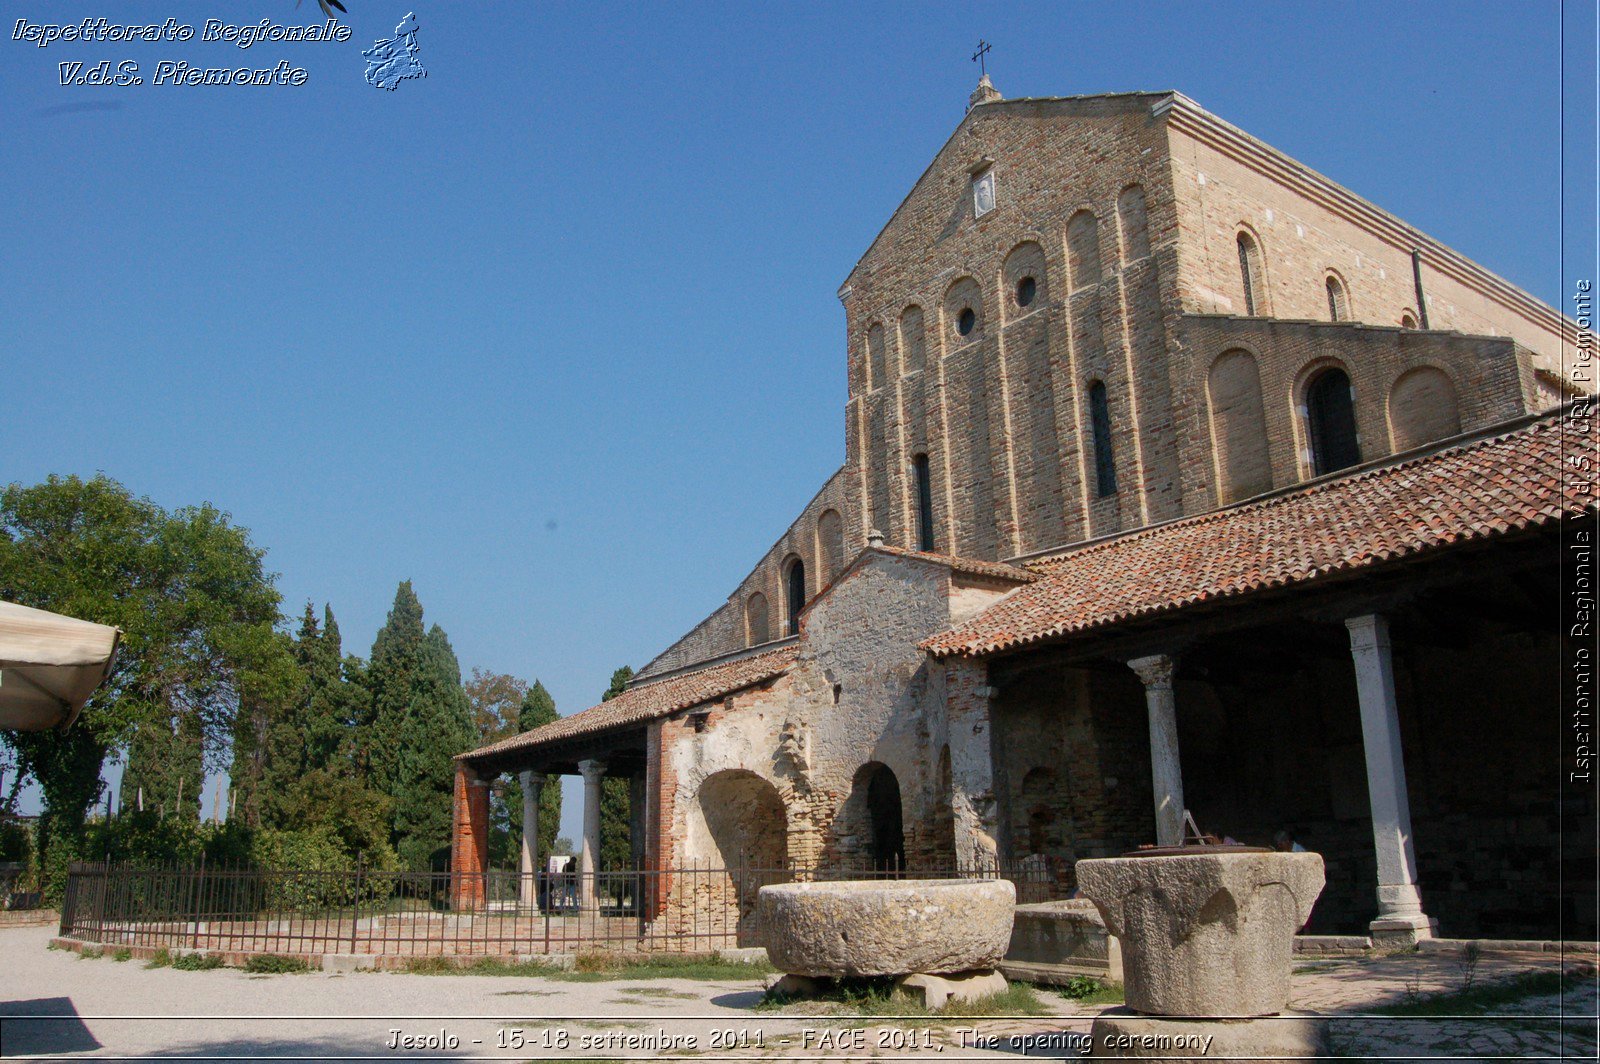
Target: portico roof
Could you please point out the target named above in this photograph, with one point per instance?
(648, 701)
(1503, 480)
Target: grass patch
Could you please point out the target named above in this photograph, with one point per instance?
(1087, 990)
(197, 962)
(603, 967)
(122, 954)
(161, 958)
(1479, 1000)
(272, 964)
(655, 992)
(878, 997)
(481, 966)
(90, 953)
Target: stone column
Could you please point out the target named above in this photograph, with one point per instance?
(972, 784)
(1401, 920)
(1166, 771)
(593, 773)
(532, 787)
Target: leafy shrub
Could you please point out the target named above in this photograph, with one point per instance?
(161, 958)
(123, 954)
(272, 964)
(197, 962)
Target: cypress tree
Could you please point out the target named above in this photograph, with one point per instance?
(394, 679)
(436, 726)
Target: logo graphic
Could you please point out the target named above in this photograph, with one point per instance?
(391, 62)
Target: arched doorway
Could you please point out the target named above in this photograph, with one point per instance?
(738, 841)
(1331, 422)
(886, 842)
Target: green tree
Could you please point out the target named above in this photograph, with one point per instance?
(425, 720)
(537, 708)
(616, 823)
(394, 681)
(187, 588)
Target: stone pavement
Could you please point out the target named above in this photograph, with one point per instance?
(103, 1008)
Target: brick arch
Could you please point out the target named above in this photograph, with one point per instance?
(1083, 250)
(963, 294)
(830, 546)
(757, 619)
(1025, 262)
(1311, 384)
(913, 342)
(1422, 408)
(1133, 224)
(877, 357)
(1238, 427)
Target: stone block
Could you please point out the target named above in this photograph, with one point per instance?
(345, 963)
(1054, 942)
(1205, 934)
(753, 955)
(887, 927)
(937, 991)
(799, 987)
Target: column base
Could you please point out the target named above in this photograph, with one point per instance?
(1400, 932)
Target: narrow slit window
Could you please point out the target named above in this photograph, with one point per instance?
(1105, 469)
(924, 485)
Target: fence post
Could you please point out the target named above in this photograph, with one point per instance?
(355, 912)
(199, 884)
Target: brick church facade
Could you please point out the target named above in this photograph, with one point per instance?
(1177, 477)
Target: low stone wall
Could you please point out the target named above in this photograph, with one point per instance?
(28, 918)
(1057, 941)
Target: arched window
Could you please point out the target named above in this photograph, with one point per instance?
(1408, 320)
(1338, 300)
(1105, 469)
(794, 593)
(1331, 422)
(924, 486)
(1251, 274)
(911, 338)
(755, 619)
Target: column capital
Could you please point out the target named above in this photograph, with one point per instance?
(592, 769)
(1154, 670)
(531, 777)
(1368, 630)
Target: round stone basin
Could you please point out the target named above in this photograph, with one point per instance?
(864, 927)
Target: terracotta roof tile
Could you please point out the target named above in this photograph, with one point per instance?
(658, 698)
(1470, 490)
(970, 566)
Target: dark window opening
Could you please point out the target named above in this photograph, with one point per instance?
(924, 485)
(1331, 422)
(1027, 288)
(966, 321)
(1105, 469)
(1336, 311)
(796, 594)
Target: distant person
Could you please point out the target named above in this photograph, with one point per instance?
(1284, 843)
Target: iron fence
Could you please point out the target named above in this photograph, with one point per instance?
(246, 910)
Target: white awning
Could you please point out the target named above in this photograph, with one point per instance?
(49, 666)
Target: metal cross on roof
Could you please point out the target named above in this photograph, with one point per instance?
(978, 56)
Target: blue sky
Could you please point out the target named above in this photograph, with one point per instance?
(553, 332)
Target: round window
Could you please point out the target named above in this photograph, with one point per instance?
(1027, 288)
(966, 321)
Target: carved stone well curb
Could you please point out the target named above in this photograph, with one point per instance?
(886, 927)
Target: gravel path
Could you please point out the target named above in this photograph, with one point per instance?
(106, 1009)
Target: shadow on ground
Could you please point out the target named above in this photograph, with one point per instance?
(43, 1025)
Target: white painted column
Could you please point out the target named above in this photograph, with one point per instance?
(1166, 771)
(1400, 916)
(593, 772)
(532, 787)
